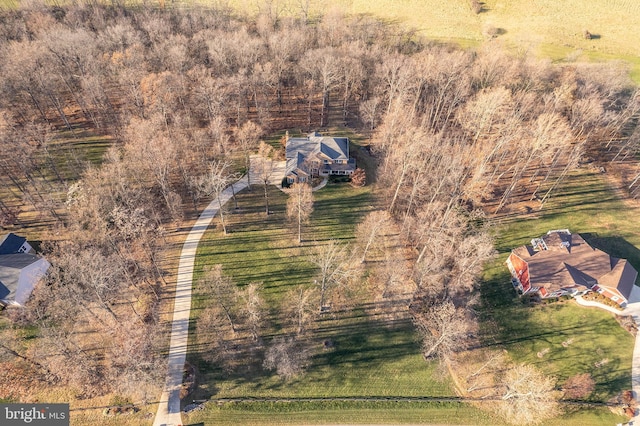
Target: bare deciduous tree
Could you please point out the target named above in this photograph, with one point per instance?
(247, 137)
(253, 309)
(333, 260)
(215, 336)
(287, 357)
(135, 366)
(369, 231)
(443, 328)
(579, 386)
(222, 291)
(300, 307)
(370, 111)
(528, 396)
(323, 65)
(213, 183)
(479, 372)
(263, 166)
(299, 205)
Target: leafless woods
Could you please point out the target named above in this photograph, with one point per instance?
(179, 94)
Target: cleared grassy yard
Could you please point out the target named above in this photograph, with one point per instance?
(327, 413)
(369, 358)
(588, 206)
(377, 360)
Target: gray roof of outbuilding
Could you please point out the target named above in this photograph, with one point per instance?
(10, 243)
(10, 267)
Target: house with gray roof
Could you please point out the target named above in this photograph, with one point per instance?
(12, 243)
(317, 155)
(20, 270)
(561, 263)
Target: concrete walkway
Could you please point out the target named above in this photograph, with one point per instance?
(631, 310)
(592, 304)
(168, 413)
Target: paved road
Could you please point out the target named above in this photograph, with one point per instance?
(169, 409)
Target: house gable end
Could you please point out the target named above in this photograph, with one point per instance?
(622, 278)
(335, 148)
(12, 243)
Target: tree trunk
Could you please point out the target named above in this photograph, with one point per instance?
(299, 218)
(325, 106)
(224, 227)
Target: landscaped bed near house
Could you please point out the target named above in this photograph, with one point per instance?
(604, 300)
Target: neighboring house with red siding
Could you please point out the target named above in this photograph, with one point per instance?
(561, 263)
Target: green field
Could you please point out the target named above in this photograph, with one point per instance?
(370, 358)
(353, 413)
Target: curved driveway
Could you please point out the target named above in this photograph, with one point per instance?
(169, 409)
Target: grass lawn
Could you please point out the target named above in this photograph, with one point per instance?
(369, 358)
(586, 205)
(374, 359)
(378, 360)
(342, 413)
